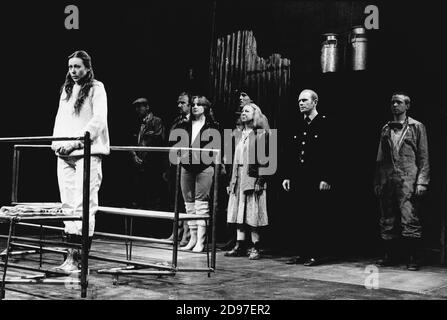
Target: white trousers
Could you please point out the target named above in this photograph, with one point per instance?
(70, 178)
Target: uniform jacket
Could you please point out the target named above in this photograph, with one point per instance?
(409, 159)
(309, 152)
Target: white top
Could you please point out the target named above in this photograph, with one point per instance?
(92, 118)
(196, 126)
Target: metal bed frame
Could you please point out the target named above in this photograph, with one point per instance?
(131, 267)
(14, 220)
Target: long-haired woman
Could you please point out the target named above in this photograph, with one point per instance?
(197, 175)
(247, 206)
(82, 107)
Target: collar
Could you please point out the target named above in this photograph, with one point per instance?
(312, 116)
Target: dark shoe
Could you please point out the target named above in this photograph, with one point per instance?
(295, 260)
(237, 251)
(312, 262)
(254, 254)
(413, 265)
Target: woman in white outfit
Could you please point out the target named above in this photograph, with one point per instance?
(82, 107)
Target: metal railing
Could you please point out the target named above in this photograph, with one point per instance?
(211, 265)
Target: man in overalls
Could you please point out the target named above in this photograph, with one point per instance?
(402, 177)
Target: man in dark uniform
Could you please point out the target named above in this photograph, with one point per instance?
(309, 176)
(148, 182)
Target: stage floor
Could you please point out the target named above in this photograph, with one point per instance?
(238, 279)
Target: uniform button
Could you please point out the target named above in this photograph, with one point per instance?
(302, 152)
(294, 137)
(316, 136)
(305, 133)
(303, 143)
(302, 161)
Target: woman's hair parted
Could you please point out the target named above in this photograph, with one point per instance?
(86, 82)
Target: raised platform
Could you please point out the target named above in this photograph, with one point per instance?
(239, 279)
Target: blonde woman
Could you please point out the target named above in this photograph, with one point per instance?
(247, 206)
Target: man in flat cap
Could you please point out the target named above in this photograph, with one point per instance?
(148, 181)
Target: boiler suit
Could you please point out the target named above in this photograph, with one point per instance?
(92, 117)
(402, 164)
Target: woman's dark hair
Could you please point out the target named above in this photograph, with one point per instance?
(206, 104)
(86, 82)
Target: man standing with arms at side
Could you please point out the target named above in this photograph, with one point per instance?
(309, 176)
(148, 182)
(402, 177)
(184, 110)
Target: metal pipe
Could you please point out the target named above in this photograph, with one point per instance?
(131, 233)
(46, 271)
(444, 213)
(38, 226)
(137, 272)
(195, 270)
(44, 281)
(40, 246)
(214, 214)
(48, 242)
(19, 253)
(135, 238)
(85, 214)
(176, 213)
(55, 204)
(101, 234)
(148, 213)
(123, 148)
(154, 247)
(15, 175)
(161, 149)
(125, 240)
(5, 265)
(45, 249)
(41, 139)
(135, 263)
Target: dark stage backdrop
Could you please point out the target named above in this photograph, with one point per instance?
(147, 49)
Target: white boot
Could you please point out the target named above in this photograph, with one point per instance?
(201, 234)
(202, 208)
(193, 240)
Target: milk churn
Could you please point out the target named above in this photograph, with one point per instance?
(329, 53)
(359, 48)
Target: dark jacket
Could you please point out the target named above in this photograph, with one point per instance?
(309, 152)
(150, 133)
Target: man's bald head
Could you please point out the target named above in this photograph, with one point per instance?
(312, 93)
(307, 101)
